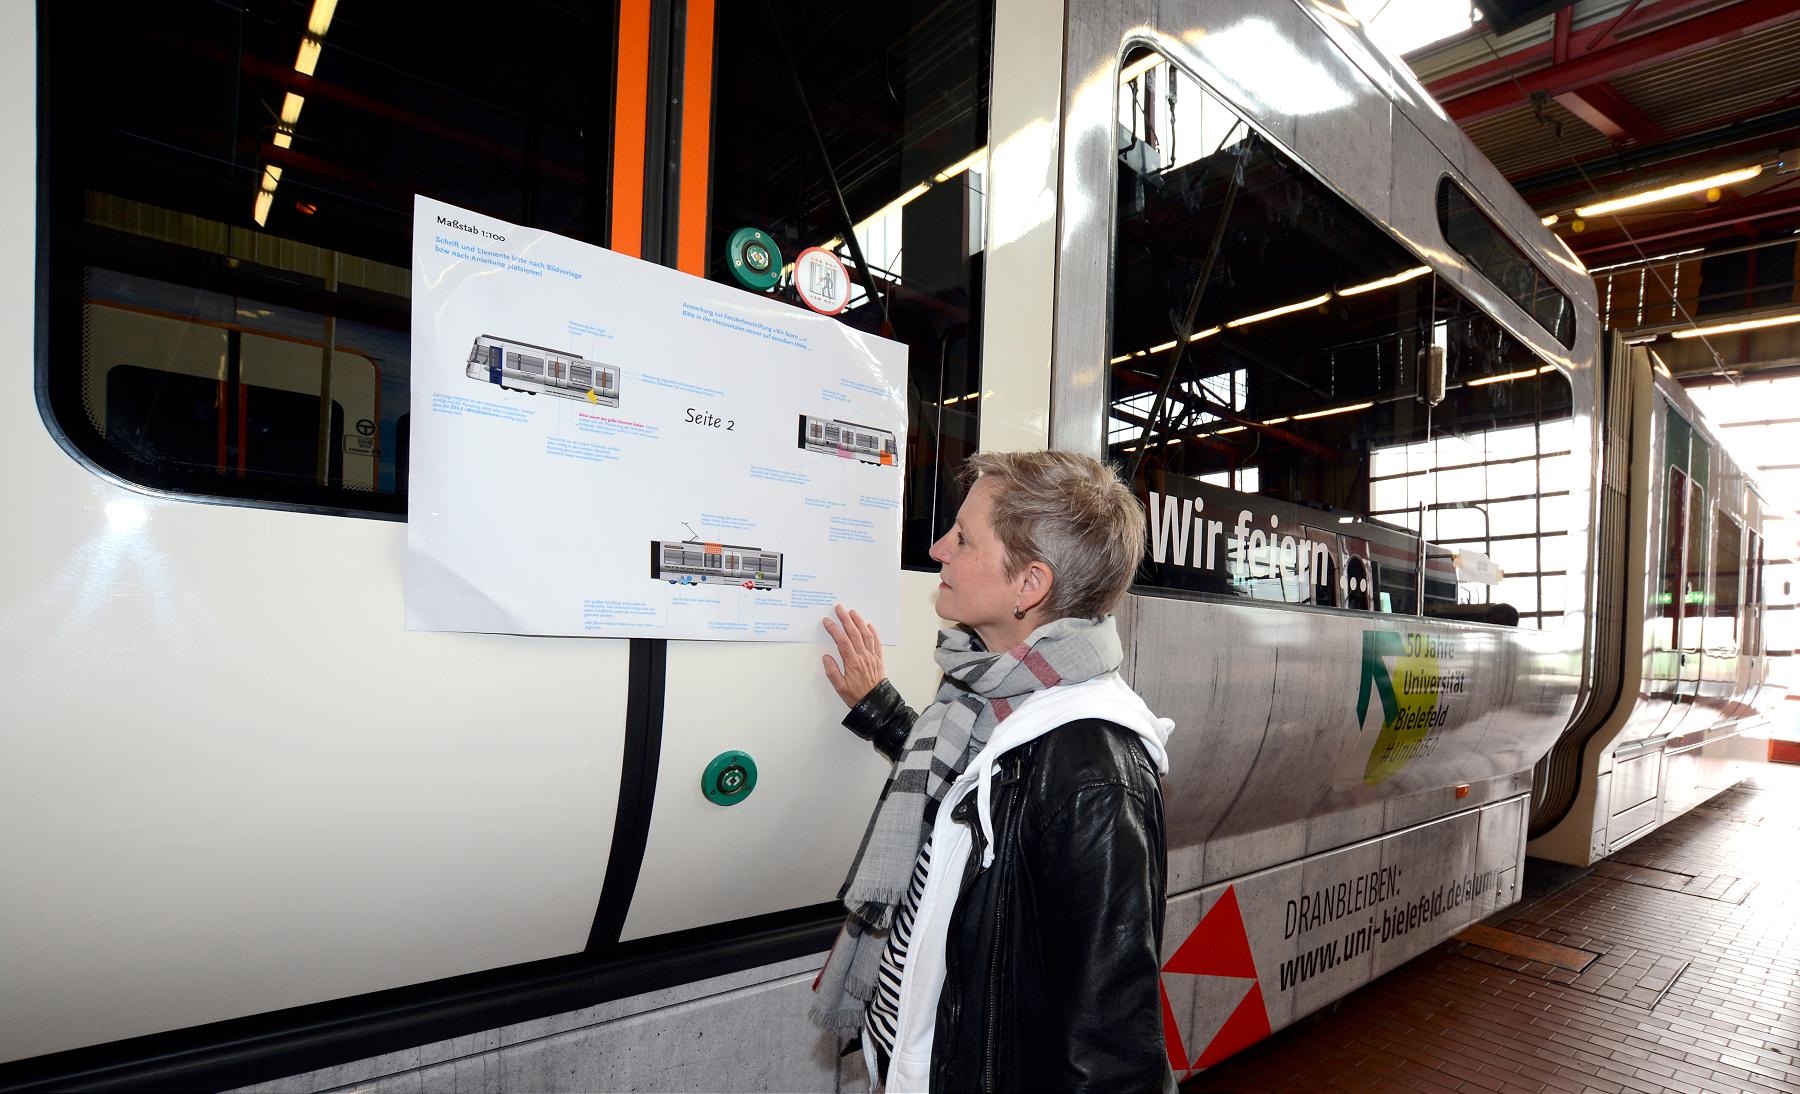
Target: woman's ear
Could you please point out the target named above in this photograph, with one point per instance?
(1034, 584)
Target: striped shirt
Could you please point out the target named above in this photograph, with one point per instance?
(882, 1022)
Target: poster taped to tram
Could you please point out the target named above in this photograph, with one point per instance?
(604, 446)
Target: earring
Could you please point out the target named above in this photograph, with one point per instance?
(1018, 612)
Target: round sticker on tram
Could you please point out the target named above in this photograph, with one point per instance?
(821, 280)
(755, 259)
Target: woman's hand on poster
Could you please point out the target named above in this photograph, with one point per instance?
(859, 650)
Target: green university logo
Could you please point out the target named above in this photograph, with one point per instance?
(1413, 694)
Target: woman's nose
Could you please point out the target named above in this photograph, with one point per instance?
(937, 549)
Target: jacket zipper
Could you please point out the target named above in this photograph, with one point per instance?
(1009, 775)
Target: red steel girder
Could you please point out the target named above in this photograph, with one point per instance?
(1602, 107)
(1587, 63)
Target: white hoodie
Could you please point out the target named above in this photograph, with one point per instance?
(1107, 697)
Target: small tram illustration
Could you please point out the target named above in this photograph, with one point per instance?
(520, 366)
(849, 440)
(693, 562)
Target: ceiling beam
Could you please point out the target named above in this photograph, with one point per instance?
(1683, 224)
(1752, 132)
(1584, 66)
(1601, 106)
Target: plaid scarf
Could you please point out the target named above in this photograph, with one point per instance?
(979, 690)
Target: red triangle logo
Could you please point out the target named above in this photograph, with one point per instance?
(1248, 1024)
(1172, 1033)
(1219, 946)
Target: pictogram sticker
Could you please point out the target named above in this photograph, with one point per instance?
(1218, 952)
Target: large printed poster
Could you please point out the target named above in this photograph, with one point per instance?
(603, 446)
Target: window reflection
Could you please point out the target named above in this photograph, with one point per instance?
(886, 145)
(1273, 367)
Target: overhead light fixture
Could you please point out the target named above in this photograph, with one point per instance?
(1207, 333)
(284, 138)
(1742, 324)
(264, 199)
(271, 177)
(1283, 310)
(290, 108)
(1274, 421)
(1549, 220)
(1140, 66)
(320, 20)
(1664, 193)
(1170, 344)
(308, 60)
(1396, 279)
(971, 160)
(1504, 377)
(1229, 429)
(1334, 410)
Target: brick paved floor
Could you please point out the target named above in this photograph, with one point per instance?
(1694, 984)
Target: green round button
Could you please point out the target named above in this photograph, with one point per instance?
(729, 778)
(755, 259)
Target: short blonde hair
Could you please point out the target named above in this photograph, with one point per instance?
(1071, 512)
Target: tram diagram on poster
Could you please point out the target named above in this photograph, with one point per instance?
(603, 446)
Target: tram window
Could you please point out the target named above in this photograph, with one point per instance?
(1265, 375)
(901, 112)
(1488, 248)
(1727, 573)
(217, 272)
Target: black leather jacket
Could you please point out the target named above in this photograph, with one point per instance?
(1053, 960)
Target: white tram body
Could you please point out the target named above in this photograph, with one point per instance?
(689, 562)
(520, 366)
(834, 436)
(233, 786)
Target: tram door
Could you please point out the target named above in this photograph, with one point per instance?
(1678, 651)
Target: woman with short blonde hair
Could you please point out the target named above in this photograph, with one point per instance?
(1005, 924)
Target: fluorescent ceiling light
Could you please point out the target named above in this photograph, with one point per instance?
(308, 60)
(1283, 310)
(284, 138)
(1170, 344)
(290, 108)
(271, 177)
(1229, 429)
(264, 199)
(320, 20)
(1207, 333)
(973, 159)
(1551, 219)
(1504, 377)
(1742, 324)
(1274, 421)
(1334, 410)
(1664, 193)
(1396, 279)
(1140, 66)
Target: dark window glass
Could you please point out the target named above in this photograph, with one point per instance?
(1693, 592)
(884, 106)
(1727, 574)
(230, 237)
(1270, 357)
(1481, 241)
(1741, 280)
